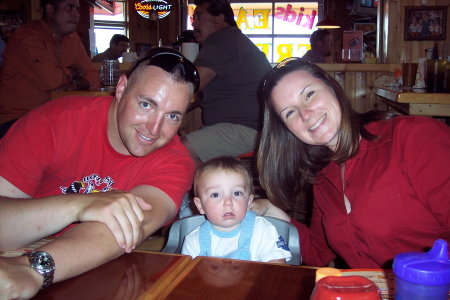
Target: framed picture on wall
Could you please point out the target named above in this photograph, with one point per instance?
(425, 22)
(10, 20)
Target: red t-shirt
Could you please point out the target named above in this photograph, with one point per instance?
(62, 146)
(399, 191)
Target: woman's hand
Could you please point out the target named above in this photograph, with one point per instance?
(263, 207)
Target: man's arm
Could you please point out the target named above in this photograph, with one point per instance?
(120, 211)
(206, 75)
(92, 244)
(87, 245)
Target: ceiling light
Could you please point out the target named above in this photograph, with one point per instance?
(327, 23)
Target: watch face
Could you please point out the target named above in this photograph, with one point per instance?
(44, 261)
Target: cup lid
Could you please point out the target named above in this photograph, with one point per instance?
(428, 268)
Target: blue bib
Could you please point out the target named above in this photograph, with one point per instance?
(246, 229)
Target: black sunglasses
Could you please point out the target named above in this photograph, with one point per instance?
(170, 62)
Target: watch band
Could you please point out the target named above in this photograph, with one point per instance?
(43, 263)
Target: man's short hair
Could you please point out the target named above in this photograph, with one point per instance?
(217, 7)
(318, 36)
(119, 38)
(53, 3)
(180, 69)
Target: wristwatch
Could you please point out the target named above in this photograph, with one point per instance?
(43, 263)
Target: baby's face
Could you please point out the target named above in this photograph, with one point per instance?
(224, 197)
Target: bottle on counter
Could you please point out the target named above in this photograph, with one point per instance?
(423, 276)
(435, 53)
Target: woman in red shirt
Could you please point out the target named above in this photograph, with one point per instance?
(381, 181)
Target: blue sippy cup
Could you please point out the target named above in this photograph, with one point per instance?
(423, 276)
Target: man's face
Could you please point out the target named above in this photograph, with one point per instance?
(149, 112)
(204, 23)
(65, 18)
(324, 48)
(120, 47)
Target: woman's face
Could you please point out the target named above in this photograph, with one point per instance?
(309, 108)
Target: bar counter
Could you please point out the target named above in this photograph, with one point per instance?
(415, 101)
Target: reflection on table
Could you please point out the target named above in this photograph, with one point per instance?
(126, 277)
(221, 278)
(415, 101)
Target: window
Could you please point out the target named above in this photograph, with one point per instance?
(279, 29)
(107, 24)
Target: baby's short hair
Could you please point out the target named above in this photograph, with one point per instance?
(224, 163)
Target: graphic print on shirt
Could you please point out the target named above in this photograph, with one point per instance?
(282, 244)
(89, 184)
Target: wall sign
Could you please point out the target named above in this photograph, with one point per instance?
(148, 8)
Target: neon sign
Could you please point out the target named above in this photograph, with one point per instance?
(147, 8)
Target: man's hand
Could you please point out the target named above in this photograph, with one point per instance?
(121, 212)
(17, 279)
(77, 71)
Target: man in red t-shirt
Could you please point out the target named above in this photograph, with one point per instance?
(114, 164)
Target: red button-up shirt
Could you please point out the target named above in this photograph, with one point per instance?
(399, 191)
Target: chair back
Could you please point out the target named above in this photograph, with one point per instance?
(183, 227)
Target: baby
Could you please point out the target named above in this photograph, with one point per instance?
(224, 191)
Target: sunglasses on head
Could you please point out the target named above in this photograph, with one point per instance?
(170, 62)
(288, 62)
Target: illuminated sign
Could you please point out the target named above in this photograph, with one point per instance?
(281, 31)
(149, 9)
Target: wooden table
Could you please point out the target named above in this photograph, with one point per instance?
(126, 277)
(415, 101)
(219, 278)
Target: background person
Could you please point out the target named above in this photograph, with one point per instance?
(186, 36)
(224, 190)
(114, 164)
(43, 56)
(118, 44)
(381, 181)
(321, 45)
(231, 69)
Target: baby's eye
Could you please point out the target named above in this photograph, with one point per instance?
(214, 195)
(238, 193)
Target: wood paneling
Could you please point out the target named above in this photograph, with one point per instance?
(144, 31)
(398, 49)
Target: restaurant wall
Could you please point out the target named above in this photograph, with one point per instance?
(396, 48)
(144, 31)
